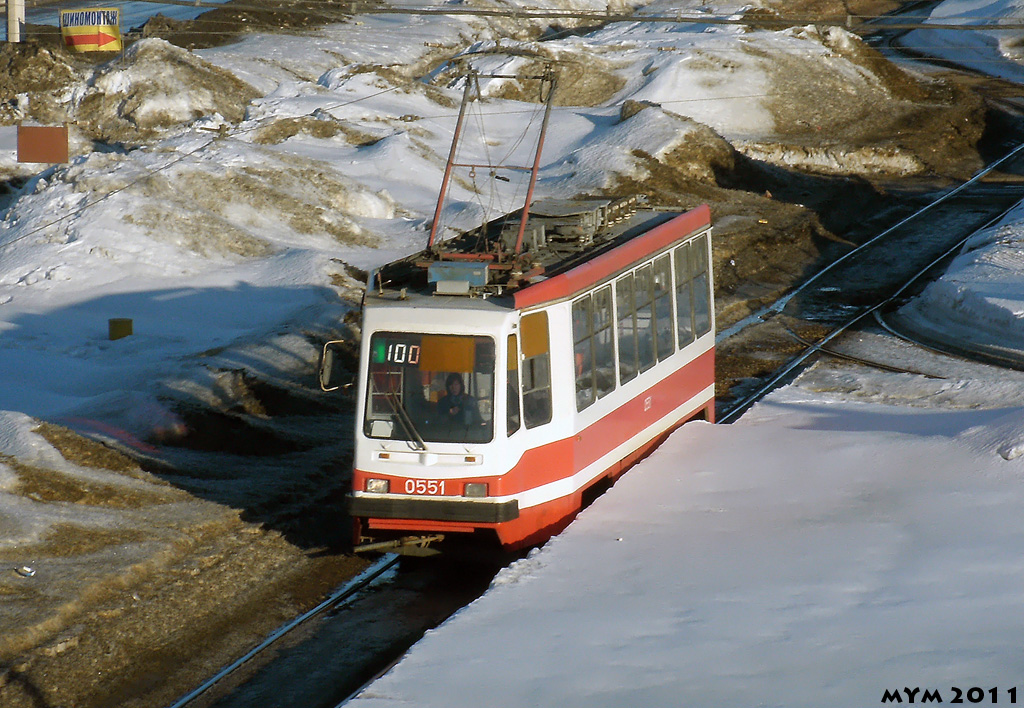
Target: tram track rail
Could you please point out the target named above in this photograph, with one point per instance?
(354, 636)
(346, 593)
(876, 309)
(781, 303)
(992, 354)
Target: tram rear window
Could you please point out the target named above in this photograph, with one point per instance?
(434, 387)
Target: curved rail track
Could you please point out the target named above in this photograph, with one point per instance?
(870, 278)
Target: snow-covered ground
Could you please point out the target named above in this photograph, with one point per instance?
(824, 549)
(818, 552)
(993, 52)
(854, 535)
(980, 301)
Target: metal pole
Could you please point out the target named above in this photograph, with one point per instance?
(470, 78)
(15, 20)
(549, 78)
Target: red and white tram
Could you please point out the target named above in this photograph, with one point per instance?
(523, 364)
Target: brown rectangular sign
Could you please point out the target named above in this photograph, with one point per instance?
(38, 143)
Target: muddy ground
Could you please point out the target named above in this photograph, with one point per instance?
(235, 566)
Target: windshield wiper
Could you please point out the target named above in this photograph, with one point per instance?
(406, 419)
(402, 414)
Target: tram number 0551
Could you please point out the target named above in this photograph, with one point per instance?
(424, 486)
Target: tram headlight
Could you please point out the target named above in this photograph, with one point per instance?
(378, 486)
(475, 489)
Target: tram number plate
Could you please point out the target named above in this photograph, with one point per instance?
(424, 486)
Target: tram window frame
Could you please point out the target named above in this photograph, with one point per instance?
(513, 409)
(701, 270)
(647, 355)
(685, 330)
(536, 369)
(664, 325)
(625, 334)
(604, 341)
(583, 350)
(593, 346)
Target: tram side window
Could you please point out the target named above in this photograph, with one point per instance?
(593, 352)
(663, 306)
(582, 347)
(701, 285)
(684, 295)
(512, 408)
(536, 369)
(628, 365)
(604, 350)
(693, 290)
(644, 297)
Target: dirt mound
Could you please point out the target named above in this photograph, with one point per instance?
(321, 127)
(237, 212)
(30, 68)
(579, 84)
(703, 155)
(586, 81)
(157, 86)
(226, 22)
(930, 124)
(838, 9)
(31, 79)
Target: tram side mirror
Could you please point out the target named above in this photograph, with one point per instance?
(334, 374)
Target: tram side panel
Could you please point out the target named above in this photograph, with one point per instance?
(678, 384)
(640, 402)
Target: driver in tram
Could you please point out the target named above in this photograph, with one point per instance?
(456, 406)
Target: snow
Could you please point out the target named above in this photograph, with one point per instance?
(981, 299)
(853, 533)
(993, 52)
(817, 553)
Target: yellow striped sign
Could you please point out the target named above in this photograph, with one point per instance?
(94, 29)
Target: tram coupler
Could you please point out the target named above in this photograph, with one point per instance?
(407, 545)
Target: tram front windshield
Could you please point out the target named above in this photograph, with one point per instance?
(430, 388)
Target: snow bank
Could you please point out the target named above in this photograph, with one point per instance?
(980, 298)
(818, 552)
(156, 87)
(992, 52)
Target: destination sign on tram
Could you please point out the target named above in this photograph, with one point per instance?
(396, 352)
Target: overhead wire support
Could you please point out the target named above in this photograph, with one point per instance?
(446, 179)
(547, 79)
